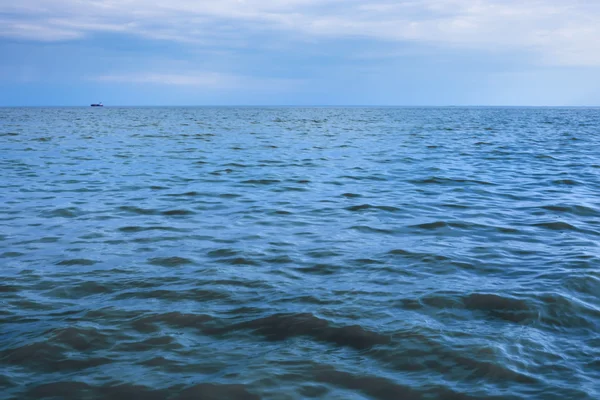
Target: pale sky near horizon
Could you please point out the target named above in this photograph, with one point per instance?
(300, 52)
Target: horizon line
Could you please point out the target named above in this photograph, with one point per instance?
(308, 106)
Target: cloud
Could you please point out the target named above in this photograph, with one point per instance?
(207, 80)
(36, 31)
(554, 32)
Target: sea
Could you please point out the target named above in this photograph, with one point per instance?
(388, 253)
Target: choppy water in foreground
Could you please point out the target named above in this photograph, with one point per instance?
(287, 253)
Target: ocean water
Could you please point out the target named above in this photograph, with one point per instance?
(291, 253)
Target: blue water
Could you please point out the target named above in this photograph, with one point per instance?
(289, 253)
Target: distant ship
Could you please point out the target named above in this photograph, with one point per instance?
(97, 104)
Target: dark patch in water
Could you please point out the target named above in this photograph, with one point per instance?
(138, 210)
(507, 308)
(8, 288)
(445, 181)
(223, 253)
(11, 254)
(177, 212)
(77, 261)
(417, 255)
(70, 212)
(48, 358)
(81, 339)
(148, 228)
(569, 182)
(556, 226)
(368, 229)
(211, 391)
(186, 194)
(320, 269)
(238, 261)
(261, 181)
(279, 260)
(284, 326)
(174, 295)
(380, 388)
(170, 261)
(431, 225)
(150, 323)
(363, 207)
(583, 211)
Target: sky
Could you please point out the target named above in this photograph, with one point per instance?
(300, 52)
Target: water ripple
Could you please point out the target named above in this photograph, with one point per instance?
(290, 253)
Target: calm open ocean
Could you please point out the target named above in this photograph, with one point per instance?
(291, 253)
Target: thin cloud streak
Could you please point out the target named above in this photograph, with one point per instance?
(208, 80)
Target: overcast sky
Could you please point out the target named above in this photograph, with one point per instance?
(300, 52)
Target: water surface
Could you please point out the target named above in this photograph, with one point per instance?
(290, 253)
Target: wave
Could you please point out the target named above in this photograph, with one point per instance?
(284, 326)
(579, 210)
(364, 207)
(435, 180)
(76, 389)
(170, 261)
